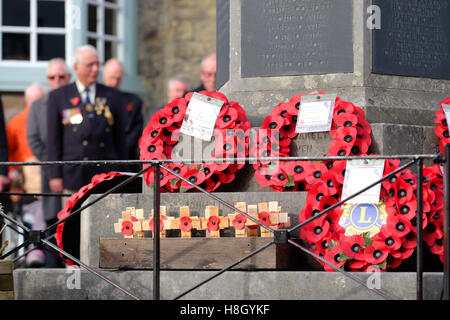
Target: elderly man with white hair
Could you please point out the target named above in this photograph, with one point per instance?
(86, 121)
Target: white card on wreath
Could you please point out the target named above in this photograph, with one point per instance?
(446, 108)
(359, 174)
(201, 116)
(316, 113)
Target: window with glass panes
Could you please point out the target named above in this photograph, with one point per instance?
(105, 22)
(32, 30)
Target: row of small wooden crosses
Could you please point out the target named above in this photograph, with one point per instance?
(134, 224)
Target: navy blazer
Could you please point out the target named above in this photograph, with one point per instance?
(98, 136)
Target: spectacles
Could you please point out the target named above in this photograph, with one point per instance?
(60, 77)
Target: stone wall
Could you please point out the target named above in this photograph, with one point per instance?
(174, 35)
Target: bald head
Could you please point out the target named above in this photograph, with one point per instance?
(208, 72)
(113, 73)
(34, 92)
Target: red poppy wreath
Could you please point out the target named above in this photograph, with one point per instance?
(395, 239)
(163, 132)
(351, 135)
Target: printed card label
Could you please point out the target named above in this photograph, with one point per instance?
(201, 116)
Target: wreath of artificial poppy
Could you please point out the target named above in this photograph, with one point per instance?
(396, 239)
(351, 135)
(350, 131)
(67, 233)
(162, 134)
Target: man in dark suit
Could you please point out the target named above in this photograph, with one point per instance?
(86, 121)
(4, 180)
(113, 74)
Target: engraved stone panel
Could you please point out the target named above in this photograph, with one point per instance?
(222, 42)
(414, 39)
(296, 37)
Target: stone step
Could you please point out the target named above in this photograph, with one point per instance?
(69, 284)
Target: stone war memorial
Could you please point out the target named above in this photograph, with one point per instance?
(382, 71)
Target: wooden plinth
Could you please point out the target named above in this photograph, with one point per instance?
(196, 254)
(6, 280)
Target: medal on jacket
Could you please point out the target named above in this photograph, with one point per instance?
(108, 115)
(72, 116)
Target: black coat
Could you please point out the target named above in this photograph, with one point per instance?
(134, 123)
(101, 137)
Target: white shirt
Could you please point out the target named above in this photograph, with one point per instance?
(81, 89)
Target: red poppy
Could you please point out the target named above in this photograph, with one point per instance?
(153, 150)
(431, 233)
(315, 172)
(360, 147)
(161, 119)
(194, 176)
(442, 132)
(343, 107)
(345, 120)
(347, 134)
(127, 228)
(353, 247)
(176, 109)
(339, 148)
(398, 225)
(408, 209)
(297, 169)
(227, 119)
(264, 218)
(441, 118)
(185, 224)
(281, 110)
(391, 241)
(376, 252)
(75, 101)
(334, 256)
(356, 265)
(161, 223)
(213, 223)
(316, 230)
(273, 123)
(239, 221)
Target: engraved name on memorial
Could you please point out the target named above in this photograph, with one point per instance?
(296, 37)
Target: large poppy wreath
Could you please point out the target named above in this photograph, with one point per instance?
(350, 131)
(396, 238)
(162, 134)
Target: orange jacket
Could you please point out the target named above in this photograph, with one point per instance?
(16, 134)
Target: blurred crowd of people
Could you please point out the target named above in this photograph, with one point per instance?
(79, 119)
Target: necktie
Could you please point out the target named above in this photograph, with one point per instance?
(88, 105)
(87, 100)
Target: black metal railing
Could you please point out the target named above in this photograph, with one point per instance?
(280, 236)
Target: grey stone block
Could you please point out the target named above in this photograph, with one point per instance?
(52, 284)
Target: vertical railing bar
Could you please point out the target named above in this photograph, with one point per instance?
(419, 224)
(156, 235)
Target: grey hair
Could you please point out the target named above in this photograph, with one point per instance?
(76, 55)
(209, 56)
(180, 78)
(59, 61)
